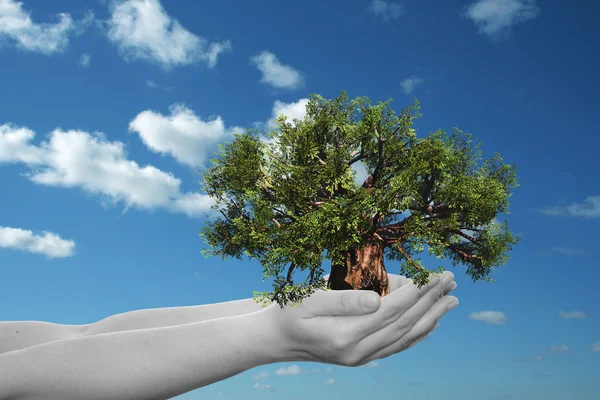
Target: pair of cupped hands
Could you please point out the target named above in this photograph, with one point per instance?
(354, 327)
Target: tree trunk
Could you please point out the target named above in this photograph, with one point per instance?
(363, 269)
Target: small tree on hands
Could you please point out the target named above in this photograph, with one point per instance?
(293, 203)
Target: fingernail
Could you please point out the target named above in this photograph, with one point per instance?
(447, 279)
(368, 301)
(451, 305)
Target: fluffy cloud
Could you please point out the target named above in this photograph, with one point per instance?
(494, 18)
(331, 381)
(77, 159)
(48, 243)
(489, 317)
(16, 26)
(385, 10)
(590, 208)
(182, 134)
(143, 30)
(572, 315)
(274, 73)
(295, 110)
(410, 83)
(85, 59)
(596, 347)
(559, 349)
(291, 370)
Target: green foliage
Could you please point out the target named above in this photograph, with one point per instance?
(294, 201)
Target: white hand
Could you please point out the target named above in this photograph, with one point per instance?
(336, 327)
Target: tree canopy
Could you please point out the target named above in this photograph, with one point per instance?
(292, 201)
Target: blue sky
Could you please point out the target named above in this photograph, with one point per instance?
(109, 110)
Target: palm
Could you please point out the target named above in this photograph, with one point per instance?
(396, 281)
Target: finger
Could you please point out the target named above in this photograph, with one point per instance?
(342, 303)
(400, 297)
(391, 309)
(422, 329)
(429, 320)
(405, 318)
(428, 300)
(449, 288)
(397, 281)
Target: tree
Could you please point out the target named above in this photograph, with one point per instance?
(294, 202)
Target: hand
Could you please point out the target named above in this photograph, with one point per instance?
(354, 327)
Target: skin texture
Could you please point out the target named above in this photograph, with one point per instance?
(129, 358)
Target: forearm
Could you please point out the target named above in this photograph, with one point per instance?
(17, 335)
(156, 363)
(170, 316)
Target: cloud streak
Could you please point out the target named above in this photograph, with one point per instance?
(590, 208)
(489, 317)
(386, 10)
(572, 315)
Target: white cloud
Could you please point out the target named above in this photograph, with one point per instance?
(385, 9)
(85, 59)
(410, 83)
(489, 317)
(77, 159)
(261, 376)
(372, 364)
(142, 30)
(494, 18)
(182, 134)
(590, 208)
(274, 73)
(291, 370)
(567, 251)
(262, 386)
(16, 26)
(559, 349)
(596, 347)
(15, 147)
(295, 110)
(48, 243)
(331, 381)
(572, 314)
(154, 85)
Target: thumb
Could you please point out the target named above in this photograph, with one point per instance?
(348, 303)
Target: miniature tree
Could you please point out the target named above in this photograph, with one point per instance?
(293, 203)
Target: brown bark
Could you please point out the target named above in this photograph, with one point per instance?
(362, 269)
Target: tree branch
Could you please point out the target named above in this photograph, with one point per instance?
(401, 250)
(287, 280)
(464, 235)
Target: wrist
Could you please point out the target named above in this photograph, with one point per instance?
(277, 346)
